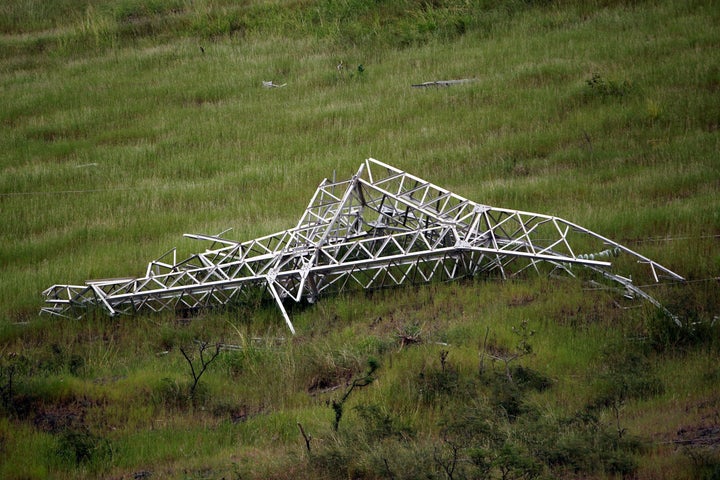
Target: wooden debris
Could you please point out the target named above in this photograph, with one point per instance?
(443, 83)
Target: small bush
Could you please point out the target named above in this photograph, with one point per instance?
(434, 384)
(443, 382)
(625, 374)
(12, 368)
(358, 453)
(332, 461)
(579, 444)
(359, 382)
(598, 85)
(171, 394)
(323, 368)
(705, 462)
(76, 364)
(507, 397)
(80, 447)
(399, 460)
(377, 424)
(528, 379)
(664, 333)
(233, 363)
(54, 360)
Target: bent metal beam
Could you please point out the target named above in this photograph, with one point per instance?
(381, 228)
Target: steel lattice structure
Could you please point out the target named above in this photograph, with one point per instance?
(381, 228)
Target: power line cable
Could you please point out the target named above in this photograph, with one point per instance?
(69, 192)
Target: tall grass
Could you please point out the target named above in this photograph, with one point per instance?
(128, 123)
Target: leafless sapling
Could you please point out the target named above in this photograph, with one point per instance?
(204, 363)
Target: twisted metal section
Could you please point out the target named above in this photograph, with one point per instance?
(381, 228)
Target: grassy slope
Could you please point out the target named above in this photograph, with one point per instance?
(120, 134)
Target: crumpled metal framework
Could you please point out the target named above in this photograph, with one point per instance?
(381, 228)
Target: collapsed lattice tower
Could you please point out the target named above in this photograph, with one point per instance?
(381, 228)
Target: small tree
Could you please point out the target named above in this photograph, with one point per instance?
(204, 363)
(522, 348)
(363, 381)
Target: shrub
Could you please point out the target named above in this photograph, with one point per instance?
(377, 424)
(172, 394)
(528, 379)
(12, 368)
(579, 444)
(332, 461)
(399, 460)
(323, 368)
(705, 462)
(625, 374)
(598, 85)
(380, 447)
(509, 396)
(664, 334)
(80, 447)
(443, 382)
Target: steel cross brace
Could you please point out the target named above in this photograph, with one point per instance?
(381, 228)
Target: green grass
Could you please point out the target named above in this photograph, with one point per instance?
(127, 123)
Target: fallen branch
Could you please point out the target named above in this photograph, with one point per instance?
(325, 390)
(443, 83)
(305, 436)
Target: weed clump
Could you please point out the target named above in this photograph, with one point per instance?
(665, 335)
(81, 447)
(580, 444)
(434, 384)
(705, 460)
(625, 374)
(600, 86)
(171, 394)
(11, 368)
(326, 369)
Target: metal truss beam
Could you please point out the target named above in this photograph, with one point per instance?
(381, 228)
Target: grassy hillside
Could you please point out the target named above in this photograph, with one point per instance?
(126, 123)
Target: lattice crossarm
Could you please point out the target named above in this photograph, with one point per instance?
(641, 259)
(406, 178)
(176, 291)
(371, 262)
(311, 205)
(65, 299)
(630, 287)
(59, 312)
(99, 295)
(304, 275)
(61, 294)
(209, 238)
(342, 207)
(545, 257)
(155, 266)
(406, 202)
